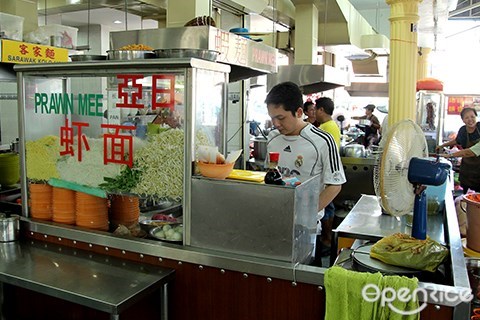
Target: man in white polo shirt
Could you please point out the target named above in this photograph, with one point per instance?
(304, 150)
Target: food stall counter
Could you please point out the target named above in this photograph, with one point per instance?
(66, 274)
(367, 222)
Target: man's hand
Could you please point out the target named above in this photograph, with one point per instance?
(328, 194)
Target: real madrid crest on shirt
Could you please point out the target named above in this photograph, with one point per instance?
(299, 161)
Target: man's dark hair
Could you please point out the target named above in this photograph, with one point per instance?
(286, 94)
(325, 103)
(465, 110)
(306, 105)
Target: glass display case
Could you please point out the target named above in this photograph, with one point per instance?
(116, 127)
(430, 115)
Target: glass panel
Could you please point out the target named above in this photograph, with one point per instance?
(210, 112)
(123, 133)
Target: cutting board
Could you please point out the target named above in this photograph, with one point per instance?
(247, 175)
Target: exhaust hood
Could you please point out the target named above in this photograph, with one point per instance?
(343, 32)
(310, 78)
(368, 89)
(246, 58)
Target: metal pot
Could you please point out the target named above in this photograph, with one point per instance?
(259, 148)
(9, 228)
(355, 151)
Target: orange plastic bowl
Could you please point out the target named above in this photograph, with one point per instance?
(217, 171)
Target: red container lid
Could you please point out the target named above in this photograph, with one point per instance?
(274, 156)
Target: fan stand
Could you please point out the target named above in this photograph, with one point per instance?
(419, 224)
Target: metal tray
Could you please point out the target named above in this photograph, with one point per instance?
(187, 53)
(129, 54)
(87, 57)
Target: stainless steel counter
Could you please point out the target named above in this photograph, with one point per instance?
(366, 221)
(77, 276)
(284, 270)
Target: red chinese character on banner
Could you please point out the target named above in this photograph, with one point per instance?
(50, 53)
(241, 50)
(123, 84)
(117, 145)
(23, 49)
(222, 40)
(37, 51)
(163, 91)
(67, 141)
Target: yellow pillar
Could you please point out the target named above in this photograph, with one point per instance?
(423, 63)
(403, 60)
(306, 34)
(180, 12)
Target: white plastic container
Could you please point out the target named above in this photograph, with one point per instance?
(11, 26)
(60, 36)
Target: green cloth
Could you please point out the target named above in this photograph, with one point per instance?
(344, 299)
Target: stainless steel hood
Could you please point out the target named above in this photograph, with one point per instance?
(246, 58)
(310, 78)
(368, 89)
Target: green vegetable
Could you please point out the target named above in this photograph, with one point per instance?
(123, 183)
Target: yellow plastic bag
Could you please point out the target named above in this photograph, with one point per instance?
(402, 250)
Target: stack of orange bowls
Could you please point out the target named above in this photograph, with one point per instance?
(91, 212)
(124, 210)
(63, 203)
(40, 201)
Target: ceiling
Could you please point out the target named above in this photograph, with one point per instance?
(145, 14)
(77, 13)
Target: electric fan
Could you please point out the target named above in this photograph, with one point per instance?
(402, 172)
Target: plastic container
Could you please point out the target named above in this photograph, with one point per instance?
(60, 36)
(216, 171)
(11, 26)
(9, 169)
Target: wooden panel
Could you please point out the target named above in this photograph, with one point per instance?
(430, 312)
(206, 293)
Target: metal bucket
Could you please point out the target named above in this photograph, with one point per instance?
(259, 148)
(9, 228)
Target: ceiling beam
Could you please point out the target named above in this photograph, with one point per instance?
(462, 10)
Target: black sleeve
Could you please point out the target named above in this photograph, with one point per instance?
(462, 136)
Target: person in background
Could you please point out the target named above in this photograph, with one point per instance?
(309, 111)
(324, 110)
(467, 136)
(371, 131)
(305, 150)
